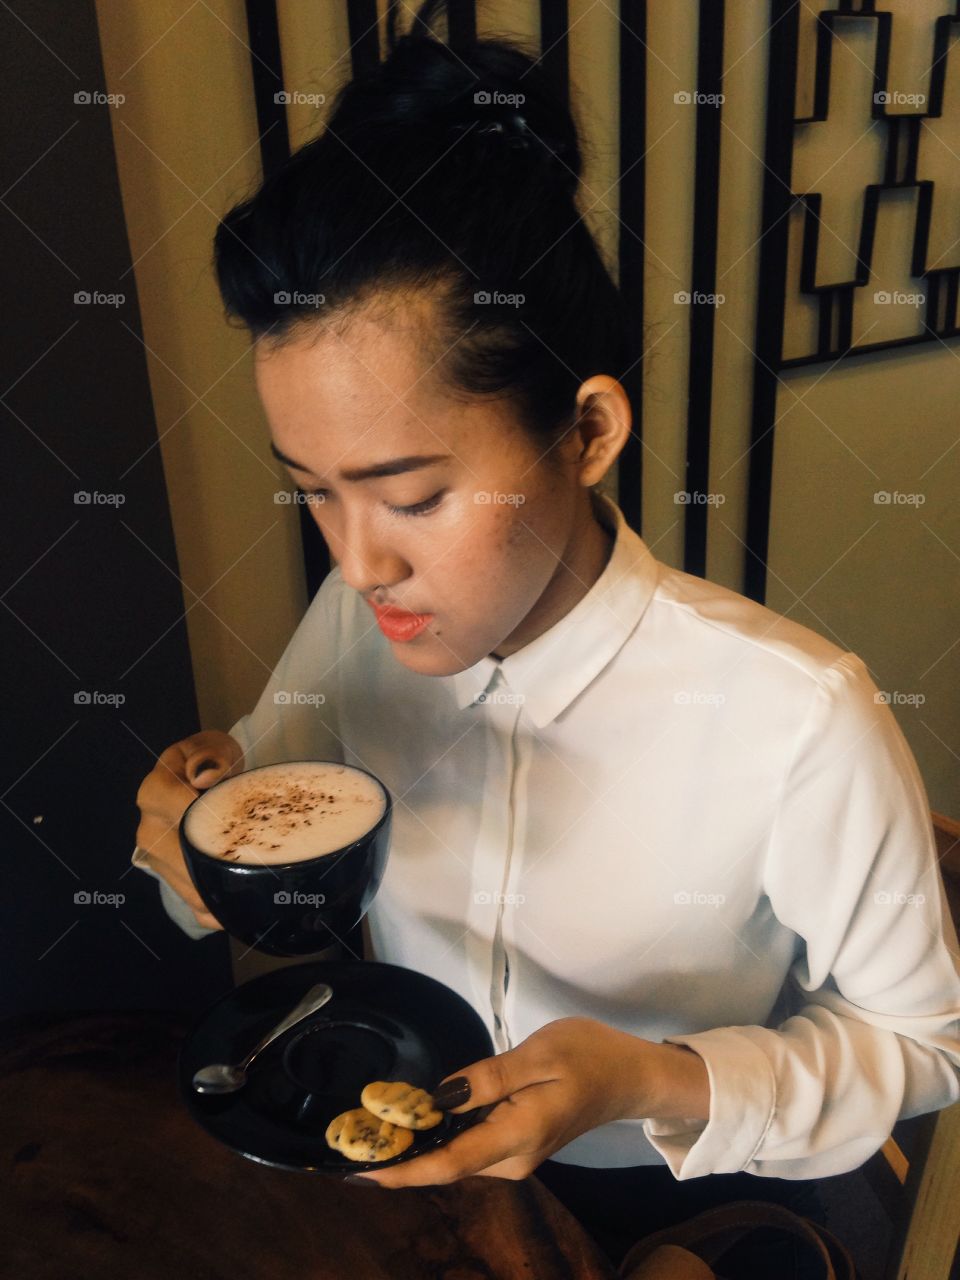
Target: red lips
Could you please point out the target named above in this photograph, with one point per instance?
(398, 624)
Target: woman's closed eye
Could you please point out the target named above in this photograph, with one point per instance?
(416, 509)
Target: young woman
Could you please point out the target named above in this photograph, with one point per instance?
(666, 842)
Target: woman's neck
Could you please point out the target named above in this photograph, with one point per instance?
(587, 555)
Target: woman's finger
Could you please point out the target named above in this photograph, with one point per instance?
(492, 1079)
(488, 1143)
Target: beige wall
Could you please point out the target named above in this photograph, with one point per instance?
(881, 581)
(186, 149)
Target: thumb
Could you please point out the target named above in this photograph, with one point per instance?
(488, 1081)
(204, 767)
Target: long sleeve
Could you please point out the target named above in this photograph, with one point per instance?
(295, 717)
(874, 1033)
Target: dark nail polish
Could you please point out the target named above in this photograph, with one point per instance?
(452, 1093)
(358, 1181)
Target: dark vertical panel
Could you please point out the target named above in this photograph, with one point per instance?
(706, 211)
(633, 114)
(461, 22)
(555, 45)
(768, 339)
(364, 35)
(267, 67)
(93, 610)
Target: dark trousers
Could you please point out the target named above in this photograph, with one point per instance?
(618, 1207)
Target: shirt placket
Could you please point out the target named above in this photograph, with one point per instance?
(493, 859)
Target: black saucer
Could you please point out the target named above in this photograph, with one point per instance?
(383, 1023)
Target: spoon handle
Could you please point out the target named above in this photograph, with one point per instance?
(315, 999)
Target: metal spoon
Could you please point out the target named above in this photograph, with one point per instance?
(220, 1077)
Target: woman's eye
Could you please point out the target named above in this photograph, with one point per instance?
(418, 508)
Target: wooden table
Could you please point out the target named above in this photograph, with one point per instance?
(107, 1175)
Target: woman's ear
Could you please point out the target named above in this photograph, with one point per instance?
(603, 423)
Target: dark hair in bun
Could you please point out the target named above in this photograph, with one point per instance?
(451, 171)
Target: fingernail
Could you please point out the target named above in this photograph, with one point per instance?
(359, 1181)
(452, 1093)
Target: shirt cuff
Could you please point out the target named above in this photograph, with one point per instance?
(742, 1101)
(179, 911)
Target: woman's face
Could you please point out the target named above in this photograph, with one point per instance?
(486, 536)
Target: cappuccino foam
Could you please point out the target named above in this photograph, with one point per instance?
(285, 813)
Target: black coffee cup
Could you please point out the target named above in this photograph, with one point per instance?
(292, 908)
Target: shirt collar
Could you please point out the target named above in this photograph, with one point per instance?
(552, 670)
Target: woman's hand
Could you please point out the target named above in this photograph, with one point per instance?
(178, 777)
(570, 1076)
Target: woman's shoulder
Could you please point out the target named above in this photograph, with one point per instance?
(714, 617)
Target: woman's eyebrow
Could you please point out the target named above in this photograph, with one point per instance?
(393, 467)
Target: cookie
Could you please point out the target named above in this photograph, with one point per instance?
(401, 1104)
(359, 1135)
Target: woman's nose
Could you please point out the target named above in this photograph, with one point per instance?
(365, 561)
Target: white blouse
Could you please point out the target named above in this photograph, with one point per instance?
(676, 812)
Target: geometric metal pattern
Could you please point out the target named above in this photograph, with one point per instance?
(834, 301)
